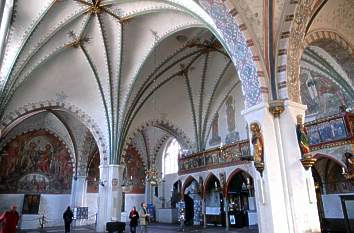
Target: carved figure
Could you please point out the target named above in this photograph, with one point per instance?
(302, 136)
(349, 162)
(257, 142)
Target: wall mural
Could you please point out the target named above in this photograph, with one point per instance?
(215, 138)
(35, 162)
(232, 136)
(135, 170)
(321, 95)
(93, 171)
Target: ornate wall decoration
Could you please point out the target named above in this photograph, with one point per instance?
(135, 170)
(322, 96)
(232, 136)
(35, 162)
(294, 51)
(215, 138)
(240, 53)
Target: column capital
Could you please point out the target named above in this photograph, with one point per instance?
(276, 107)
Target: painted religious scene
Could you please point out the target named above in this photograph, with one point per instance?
(322, 95)
(35, 162)
(134, 175)
(93, 172)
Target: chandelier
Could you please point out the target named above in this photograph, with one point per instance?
(153, 176)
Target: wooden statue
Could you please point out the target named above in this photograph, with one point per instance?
(257, 142)
(349, 162)
(302, 137)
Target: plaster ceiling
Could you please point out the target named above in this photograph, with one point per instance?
(337, 16)
(108, 58)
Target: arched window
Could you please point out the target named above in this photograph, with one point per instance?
(170, 158)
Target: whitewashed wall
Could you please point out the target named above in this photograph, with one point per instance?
(52, 206)
(332, 205)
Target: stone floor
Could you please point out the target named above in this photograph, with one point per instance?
(153, 228)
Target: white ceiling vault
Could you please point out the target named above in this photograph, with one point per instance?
(114, 60)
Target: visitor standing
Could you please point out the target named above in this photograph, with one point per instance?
(9, 220)
(133, 216)
(68, 218)
(144, 218)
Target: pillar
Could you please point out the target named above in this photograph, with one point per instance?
(284, 193)
(226, 209)
(79, 188)
(302, 193)
(110, 195)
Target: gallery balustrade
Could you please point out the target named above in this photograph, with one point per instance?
(332, 131)
(228, 155)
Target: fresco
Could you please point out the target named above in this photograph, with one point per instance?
(35, 162)
(215, 138)
(93, 172)
(232, 136)
(135, 170)
(322, 96)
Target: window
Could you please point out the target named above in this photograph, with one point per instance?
(171, 157)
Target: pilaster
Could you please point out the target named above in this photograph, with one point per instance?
(273, 211)
(301, 187)
(79, 187)
(110, 195)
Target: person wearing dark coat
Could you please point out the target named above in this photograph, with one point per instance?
(133, 216)
(68, 218)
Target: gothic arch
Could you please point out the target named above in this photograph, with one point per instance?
(296, 16)
(327, 35)
(330, 157)
(233, 173)
(242, 50)
(166, 126)
(22, 113)
(186, 183)
(207, 180)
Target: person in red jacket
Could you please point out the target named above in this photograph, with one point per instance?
(9, 220)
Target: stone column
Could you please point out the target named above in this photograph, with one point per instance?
(110, 195)
(272, 210)
(284, 195)
(78, 195)
(301, 188)
(204, 212)
(226, 209)
(115, 192)
(102, 199)
(79, 188)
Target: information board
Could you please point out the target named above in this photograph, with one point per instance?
(81, 213)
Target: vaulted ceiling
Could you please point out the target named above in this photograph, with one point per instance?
(117, 61)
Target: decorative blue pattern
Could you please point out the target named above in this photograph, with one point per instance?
(236, 44)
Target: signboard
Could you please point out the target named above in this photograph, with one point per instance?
(81, 213)
(212, 210)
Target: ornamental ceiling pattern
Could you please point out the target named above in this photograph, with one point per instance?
(97, 54)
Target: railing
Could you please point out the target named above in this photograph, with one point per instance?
(326, 132)
(331, 131)
(228, 155)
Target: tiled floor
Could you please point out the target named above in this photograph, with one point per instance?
(153, 228)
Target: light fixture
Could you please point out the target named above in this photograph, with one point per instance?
(153, 176)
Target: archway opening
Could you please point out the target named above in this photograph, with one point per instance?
(193, 203)
(241, 200)
(214, 202)
(331, 186)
